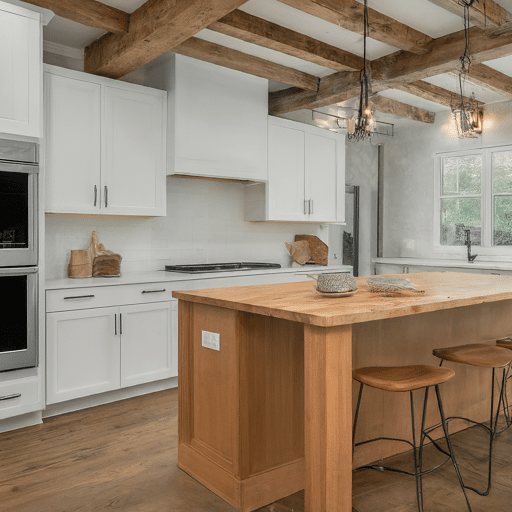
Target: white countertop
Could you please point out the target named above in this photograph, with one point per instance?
(492, 265)
(159, 276)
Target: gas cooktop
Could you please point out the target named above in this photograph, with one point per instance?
(219, 267)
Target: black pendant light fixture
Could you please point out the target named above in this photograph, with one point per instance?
(361, 126)
(467, 115)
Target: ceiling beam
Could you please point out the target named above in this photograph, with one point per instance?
(349, 15)
(258, 31)
(432, 93)
(489, 78)
(155, 28)
(89, 13)
(484, 14)
(397, 108)
(401, 68)
(233, 59)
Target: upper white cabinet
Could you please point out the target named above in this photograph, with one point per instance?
(20, 71)
(217, 122)
(306, 176)
(105, 145)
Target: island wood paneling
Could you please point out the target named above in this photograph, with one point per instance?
(267, 357)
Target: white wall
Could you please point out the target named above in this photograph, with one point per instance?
(409, 177)
(204, 223)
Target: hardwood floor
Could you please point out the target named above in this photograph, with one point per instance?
(122, 456)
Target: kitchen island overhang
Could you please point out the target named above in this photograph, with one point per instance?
(270, 413)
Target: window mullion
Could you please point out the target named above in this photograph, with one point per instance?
(487, 199)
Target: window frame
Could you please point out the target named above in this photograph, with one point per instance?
(487, 198)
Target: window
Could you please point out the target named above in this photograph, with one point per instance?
(474, 192)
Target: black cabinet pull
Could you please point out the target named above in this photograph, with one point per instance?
(79, 297)
(115, 324)
(120, 323)
(95, 195)
(153, 291)
(10, 397)
(106, 196)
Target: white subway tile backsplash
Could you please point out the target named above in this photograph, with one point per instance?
(204, 223)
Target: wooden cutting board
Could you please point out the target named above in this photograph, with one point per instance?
(319, 251)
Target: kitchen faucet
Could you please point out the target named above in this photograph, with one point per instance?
(471, 257)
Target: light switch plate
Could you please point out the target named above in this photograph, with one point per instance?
(210, 340)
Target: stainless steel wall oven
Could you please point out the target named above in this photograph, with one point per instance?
(19, 173)
(18, 203)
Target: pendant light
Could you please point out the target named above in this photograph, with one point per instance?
(468, 117)
(361, 126)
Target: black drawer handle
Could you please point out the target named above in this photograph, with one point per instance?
(79, 297)
(153, 291)
(9, 397)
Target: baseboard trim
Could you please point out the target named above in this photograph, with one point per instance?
(109, 397)
(245, 495)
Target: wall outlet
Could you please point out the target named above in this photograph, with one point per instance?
(210, 340)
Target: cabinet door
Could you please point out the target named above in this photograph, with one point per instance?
(72, 110)
(145, 343)
(285, 174)
(83, 353)
(20, 74)
(133, 170)
(320, 177)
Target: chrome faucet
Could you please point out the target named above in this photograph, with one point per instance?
(471, 257)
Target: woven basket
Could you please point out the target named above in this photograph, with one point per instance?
(334, 283)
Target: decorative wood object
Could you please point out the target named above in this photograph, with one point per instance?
(299, 250)
(107, 265)
(319, 250)
(80, 265)
(95, 261)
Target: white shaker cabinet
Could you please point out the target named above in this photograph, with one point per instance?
(145, 331)
(83, 353)
(20, 71)
(306, 173)
(73, 145)
(105, 145)
(99, 339)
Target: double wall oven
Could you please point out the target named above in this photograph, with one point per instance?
(19, 173)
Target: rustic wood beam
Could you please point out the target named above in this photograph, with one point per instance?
(155, 28)
(401, 68)
(397, 108)
(258, 31)
(432, 93)
(491, 79)
(484, 14)
(88, 12)
(233, 59)
(349, 15)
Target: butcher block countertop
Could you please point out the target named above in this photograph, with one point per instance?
(300, 302)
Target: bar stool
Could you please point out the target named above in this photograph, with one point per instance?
(403, 379)
(506, 343)
(484, 356)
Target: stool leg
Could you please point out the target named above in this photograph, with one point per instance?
(355, 418)
(419, 493)
(419, 469)
(449, 444)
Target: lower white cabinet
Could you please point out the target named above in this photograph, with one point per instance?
(95, 350)
(145, 332)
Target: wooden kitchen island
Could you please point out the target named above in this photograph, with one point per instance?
(270, 413)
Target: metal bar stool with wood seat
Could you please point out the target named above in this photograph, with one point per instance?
(484, 356)
(506, 343)
(403, 379)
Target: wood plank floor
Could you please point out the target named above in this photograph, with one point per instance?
(122, 456)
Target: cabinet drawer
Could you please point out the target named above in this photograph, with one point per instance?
(20, 396)
(104, 296)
